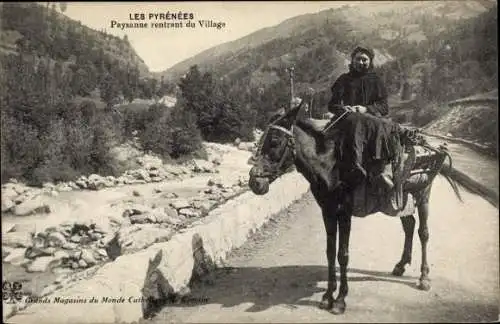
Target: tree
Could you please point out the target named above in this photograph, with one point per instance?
(110, 91)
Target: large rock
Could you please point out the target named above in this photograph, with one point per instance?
(246, 146)
(9, 193)
(150, 162)
(31, 206)
(180, 203)
(96, 182)
(15, 256)
(42, 264)
(81, 184)
(190, 212)
(56, 239)
(137, 237)
(7, 204)
(204, 205)
(202, 166)
(17, 239)
(88, 257)
(36, 252)
(136, 209)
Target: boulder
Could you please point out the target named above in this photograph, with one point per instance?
(7, 204)
(141, 219)
(150, 162)
(82, 263)
(20, 188)
(88, 257)
(70, 246)
(81, 184)
(176, 170)
(32, 206)
(36, 252)
(61, 255)
(102, 253)
(136, 209)
(246, 146)
(190, 212)
(17, 239)
(57, 238)
(180, 203)
(6, 250)
(169, 195)
(9, 193)
(15, 256)
(75, 238)
(24, 227)
(75, 254)
(96, 182)
(135, 238)
(204, 205)
(144, 237)
(42, 264)
(202, 166)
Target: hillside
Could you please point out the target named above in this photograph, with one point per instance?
(406, 36)
(473, 118)
(62, 89)
(49, 32)
(385, 19)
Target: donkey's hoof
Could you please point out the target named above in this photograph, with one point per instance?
(326, 303)
(398, 271)
(338, 307)
(424, 284)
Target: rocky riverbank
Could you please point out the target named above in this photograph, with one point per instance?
(70, 249)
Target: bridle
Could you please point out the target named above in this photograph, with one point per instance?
(288, 145)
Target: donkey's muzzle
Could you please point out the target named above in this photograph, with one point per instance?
(259, 185)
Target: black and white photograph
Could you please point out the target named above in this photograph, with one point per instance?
(243, 162)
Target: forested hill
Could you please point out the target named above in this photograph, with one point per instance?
(377, 24)
(62, 86)
(46, 31)
(406, 36)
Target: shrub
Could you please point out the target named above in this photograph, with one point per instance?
(172, 134)
(21, 148)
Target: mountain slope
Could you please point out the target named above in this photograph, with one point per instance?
(47, 32)
(376, 24)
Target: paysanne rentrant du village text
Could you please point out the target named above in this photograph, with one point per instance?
(166, 20)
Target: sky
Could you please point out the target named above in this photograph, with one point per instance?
(161, 48)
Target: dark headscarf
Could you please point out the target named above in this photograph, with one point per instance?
(364, 50)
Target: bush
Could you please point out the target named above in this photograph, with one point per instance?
(21, 148)
(172, 135)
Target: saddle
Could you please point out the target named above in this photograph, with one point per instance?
(415, 166)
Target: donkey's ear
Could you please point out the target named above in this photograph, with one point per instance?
(293, 113)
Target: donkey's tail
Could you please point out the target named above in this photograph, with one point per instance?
(446, 174)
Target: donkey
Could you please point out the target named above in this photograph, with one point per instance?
(292, 141)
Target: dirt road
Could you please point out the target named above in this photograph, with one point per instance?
(279, 275)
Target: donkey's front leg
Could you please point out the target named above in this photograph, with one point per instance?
(330, 221)
(344, 220)
(423, 233)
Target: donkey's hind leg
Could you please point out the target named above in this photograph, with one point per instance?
(408, 223)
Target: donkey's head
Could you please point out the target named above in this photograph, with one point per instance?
(275, 155)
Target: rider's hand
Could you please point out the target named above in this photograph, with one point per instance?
(360, 109)
(349, 108)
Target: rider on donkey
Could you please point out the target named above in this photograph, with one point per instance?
(367, 139)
